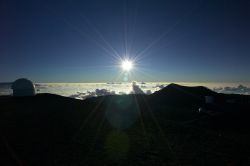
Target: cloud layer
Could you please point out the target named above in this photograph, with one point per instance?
(240, 89)
(85, 90)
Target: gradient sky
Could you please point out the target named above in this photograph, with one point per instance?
(78, 41)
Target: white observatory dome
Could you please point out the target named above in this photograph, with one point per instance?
(23, 87)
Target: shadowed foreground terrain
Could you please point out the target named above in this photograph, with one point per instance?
(164, 128)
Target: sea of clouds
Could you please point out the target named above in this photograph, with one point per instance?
(240, 89)
(86, 90)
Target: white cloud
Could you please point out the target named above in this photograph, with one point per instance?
(240, 89)
(103, 92)
(96, 93)
(85, 90)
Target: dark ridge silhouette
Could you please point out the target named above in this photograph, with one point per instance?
(164, 128)
(178, 90)
(175, 94)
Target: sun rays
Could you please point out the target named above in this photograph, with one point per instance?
(131, 62)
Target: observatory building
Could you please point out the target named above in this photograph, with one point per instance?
(23, 87)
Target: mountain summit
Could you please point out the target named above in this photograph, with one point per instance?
(177, 94)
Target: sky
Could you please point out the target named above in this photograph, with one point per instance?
(85, 40)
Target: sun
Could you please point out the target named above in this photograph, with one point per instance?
(127, 65)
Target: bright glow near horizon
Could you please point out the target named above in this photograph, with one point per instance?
(127, 65)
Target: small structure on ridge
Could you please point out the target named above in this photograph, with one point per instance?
(23, 87)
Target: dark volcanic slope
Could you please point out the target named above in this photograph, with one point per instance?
(161, 129)
(188, 96)
(184, 91)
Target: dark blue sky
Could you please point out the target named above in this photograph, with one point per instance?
(77, 40)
